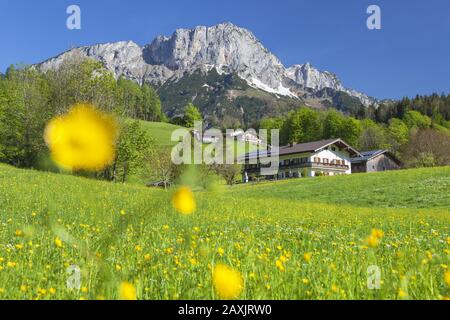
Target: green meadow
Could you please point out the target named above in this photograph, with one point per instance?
(293, 239)
(161, 132)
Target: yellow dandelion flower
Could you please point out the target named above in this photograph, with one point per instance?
(447, 278)
(307, 256)
(305, 281)
(372, 241)
(183, 200)
(11, 264)
(147, 257)
(377, 233)
(84, 289)
(221, 251)
(138, 248)
(280, 265)
(402, 293)
(23, 288)
(58, 242)
(52, 290)
(83, 139)
(19, 233)
(127, 291)
(193, 261)
(227, 282)
(42, 291)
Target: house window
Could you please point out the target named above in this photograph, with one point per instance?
(325, 160)
(316, 159)
(333, 148)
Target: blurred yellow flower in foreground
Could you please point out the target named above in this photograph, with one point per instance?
(377, 233)
(183, 200)
(373, 240)
(127, 291)
(227, 282)
(447, 278)
(83, 139)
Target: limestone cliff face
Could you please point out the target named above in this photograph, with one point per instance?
(223, 47)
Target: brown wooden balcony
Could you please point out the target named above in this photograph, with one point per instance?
(310, 164)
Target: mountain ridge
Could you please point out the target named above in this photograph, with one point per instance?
(225, 47)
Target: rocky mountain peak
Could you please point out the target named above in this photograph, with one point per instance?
(221, 45)
(225, 47)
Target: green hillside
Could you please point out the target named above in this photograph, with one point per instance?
(161, 132)
(297, 239)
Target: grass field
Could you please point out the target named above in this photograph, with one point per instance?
(297, 239)
(161, 132)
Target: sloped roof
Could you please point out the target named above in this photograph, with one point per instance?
(369, 155)
(312, 146)
(315, 146)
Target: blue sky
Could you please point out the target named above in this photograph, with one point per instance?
(410, 55)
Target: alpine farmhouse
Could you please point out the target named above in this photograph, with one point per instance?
(318, 158)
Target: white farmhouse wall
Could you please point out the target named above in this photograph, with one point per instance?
(333, 155)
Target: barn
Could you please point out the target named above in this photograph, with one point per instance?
(375, 160)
